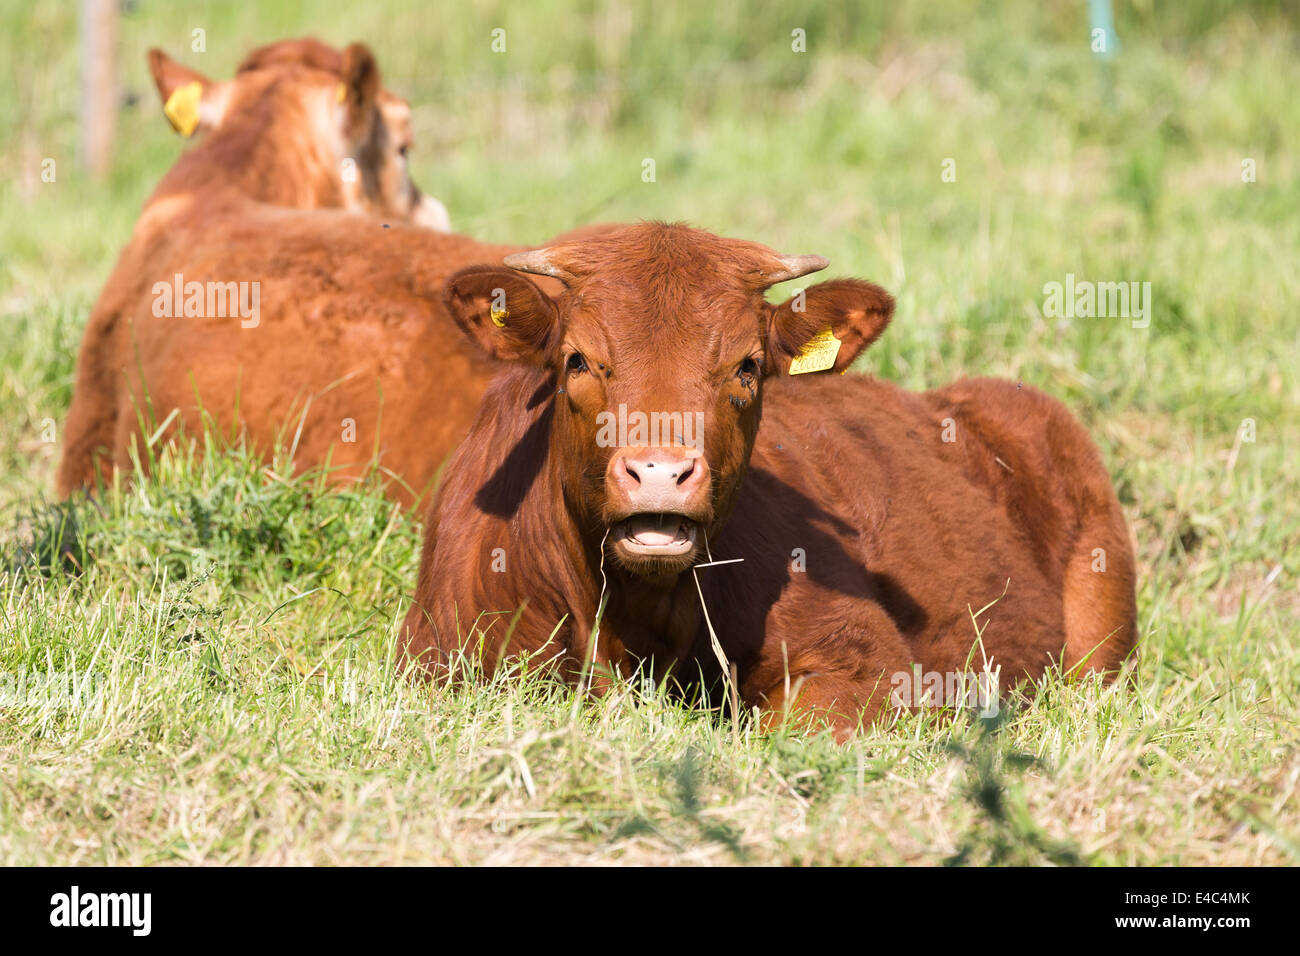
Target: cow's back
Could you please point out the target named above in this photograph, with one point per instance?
(352, 354)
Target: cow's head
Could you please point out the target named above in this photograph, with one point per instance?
(302, 112)
(660, 320)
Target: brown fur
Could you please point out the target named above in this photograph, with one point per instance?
(351, 328)
(905, 536)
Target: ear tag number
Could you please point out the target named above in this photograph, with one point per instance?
(182, 108)
(499, 318)
(817, 355)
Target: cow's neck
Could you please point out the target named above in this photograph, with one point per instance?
(654, 618)
(257, 160)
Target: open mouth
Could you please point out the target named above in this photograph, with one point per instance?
(655, 534)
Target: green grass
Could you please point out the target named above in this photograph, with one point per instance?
(222, 684)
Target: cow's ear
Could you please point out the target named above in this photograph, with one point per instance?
(826, 326)
(187, 95)
(358, 91)
(502, 312)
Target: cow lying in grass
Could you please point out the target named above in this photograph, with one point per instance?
(968, 529)
(270, 318)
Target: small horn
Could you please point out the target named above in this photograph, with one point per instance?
(792, 267)
(538, 262)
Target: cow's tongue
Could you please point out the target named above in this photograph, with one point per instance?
(654, 530)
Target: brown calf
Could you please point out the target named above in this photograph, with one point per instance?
(870, 543)
(301, 125)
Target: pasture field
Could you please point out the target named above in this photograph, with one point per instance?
(216, 685)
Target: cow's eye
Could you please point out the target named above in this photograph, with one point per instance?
(576, 363)
(748, 371)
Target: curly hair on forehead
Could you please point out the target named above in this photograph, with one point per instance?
(662, 252)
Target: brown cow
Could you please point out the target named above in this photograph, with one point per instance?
(304, 126)
(870, 543)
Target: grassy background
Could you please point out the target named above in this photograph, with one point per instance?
(230, 641)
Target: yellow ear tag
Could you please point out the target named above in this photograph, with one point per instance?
(817, 355)
(341, 92)
(182, 108)
(499, 318)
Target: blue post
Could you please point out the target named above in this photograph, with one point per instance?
(1100, 13)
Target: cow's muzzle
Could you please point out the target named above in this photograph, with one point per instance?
(658, 499)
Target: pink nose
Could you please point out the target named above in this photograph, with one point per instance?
(658, 479)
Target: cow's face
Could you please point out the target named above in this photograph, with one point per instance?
(659, 347)
(314, 115)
